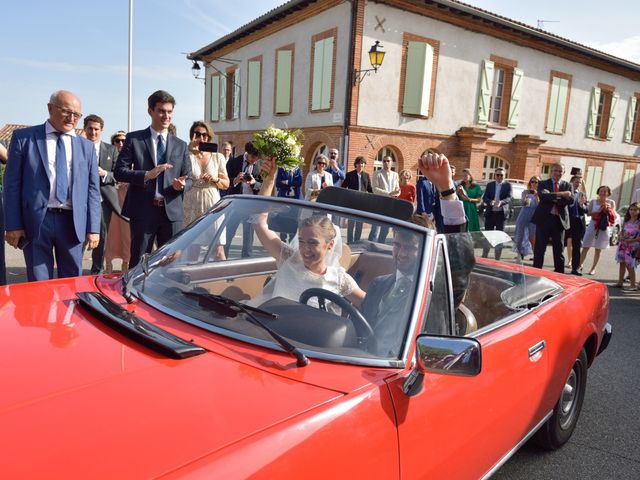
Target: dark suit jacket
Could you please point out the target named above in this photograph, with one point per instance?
(107, 161)
(490, 194)
(351, 181)
(234, 167)
(548, 200)
(27, 186)
(294, 180)
(135, 159)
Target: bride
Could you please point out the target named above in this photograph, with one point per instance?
(312, 260)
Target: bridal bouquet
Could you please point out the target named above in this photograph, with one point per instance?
(283, 145)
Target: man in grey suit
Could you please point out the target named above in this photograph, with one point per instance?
(107, 155)
(52, 192)
(157, 167)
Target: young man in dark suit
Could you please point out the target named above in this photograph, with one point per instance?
(52, 192)
(357, 179)
(552, 217)
(496, 198)
(107, 155)
(244, 175)
(157, 167)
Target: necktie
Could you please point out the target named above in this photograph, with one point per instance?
(554, 209)
(161, 158)
(62, 179)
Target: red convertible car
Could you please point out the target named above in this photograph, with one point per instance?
(218, 358)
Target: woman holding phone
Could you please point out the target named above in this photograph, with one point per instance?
(208, 172)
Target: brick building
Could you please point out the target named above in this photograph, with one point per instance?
(485, 90)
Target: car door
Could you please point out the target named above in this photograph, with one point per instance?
(460, 427)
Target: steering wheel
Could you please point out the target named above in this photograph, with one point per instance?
(360, 323)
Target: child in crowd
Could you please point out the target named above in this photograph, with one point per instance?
(628, 254)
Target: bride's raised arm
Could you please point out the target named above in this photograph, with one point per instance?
(268, 237)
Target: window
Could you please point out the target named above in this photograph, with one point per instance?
(254, 86)
(418, 77)
(284, 80)
(438, 313)
(323, 50)
(499, 93)
(545, 171)
(383, 152)
(491, 162)
(558, 102)
(321, 150)
(632, 123)
(602, 107)
(215, 98)
(233, 99)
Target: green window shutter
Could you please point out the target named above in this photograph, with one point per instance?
(253, 89)
(593, 112)
(484, 91)
(594, 175)
(327, 73)
(318, 62)
(236, 94)
(553, 105)
(629, 121)
(215, 98)
(223, 98)
(627, 186)
(283, 82)
(563, 94)
(516, 94)
(612, 116)
(417, 81)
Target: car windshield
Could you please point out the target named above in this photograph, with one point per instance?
(323, 281)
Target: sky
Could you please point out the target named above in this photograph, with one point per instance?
(83, 47)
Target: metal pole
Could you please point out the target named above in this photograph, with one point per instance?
(130, 86)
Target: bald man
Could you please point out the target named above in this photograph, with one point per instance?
(52, 192)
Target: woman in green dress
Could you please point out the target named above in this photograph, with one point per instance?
(471, 195)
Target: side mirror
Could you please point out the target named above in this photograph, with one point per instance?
(448, 355)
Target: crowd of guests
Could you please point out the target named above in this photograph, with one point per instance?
(66, 193)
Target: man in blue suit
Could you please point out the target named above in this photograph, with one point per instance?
(157, 167)
(496, 198)
(52, 192)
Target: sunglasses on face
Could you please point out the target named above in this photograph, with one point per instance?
(200, 134)
(499, 174)
(119, 140)
(320, 163)
(534, 181)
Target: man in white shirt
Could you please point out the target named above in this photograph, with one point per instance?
(107, 156)
(385, 182)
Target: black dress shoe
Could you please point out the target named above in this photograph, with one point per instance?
(575, 272)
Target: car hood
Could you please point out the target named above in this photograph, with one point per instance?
(78, 397)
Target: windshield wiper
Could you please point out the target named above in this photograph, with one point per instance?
(230, 308)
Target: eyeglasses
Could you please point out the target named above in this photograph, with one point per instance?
(200, 134)
(320, 163)
(499, 174)
(333, 154)
(119, 140)
(68, 113)
(533, 181)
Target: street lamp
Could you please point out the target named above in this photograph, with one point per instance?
(376, 56)
(195, 69)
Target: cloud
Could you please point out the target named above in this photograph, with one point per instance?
(628, 48)
(119, 70)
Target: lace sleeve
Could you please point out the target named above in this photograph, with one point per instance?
(347, 283)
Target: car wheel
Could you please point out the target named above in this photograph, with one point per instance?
(615, 236)
(559, 428)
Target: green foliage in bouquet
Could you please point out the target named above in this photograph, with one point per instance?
(283, 145)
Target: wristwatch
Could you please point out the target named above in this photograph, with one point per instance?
(446, 193)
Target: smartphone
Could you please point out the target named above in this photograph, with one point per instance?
(208, 147)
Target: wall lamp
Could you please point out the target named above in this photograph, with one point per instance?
(376, 56)
(195, 70)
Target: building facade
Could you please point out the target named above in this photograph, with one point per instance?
(482, 89)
